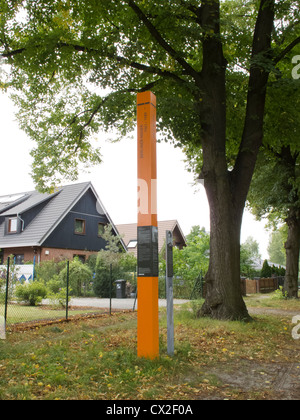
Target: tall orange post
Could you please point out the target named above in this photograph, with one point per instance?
(148, 324)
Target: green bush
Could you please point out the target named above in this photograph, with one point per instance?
(59, 298)
(80, 277)
(102, 280)
(47, 270)
(266, 270)
(55, 285)
(31, 293)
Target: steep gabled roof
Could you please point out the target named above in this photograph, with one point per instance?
(56, 206)
(29, 201)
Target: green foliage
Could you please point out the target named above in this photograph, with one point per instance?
(112, 264)
(195, 256)
(188, 262)
(249, 255)
(80, 277)
(124, 267)
(31, 293)
(103, 279)
(279, 294)
(54, 285)
(76, 67)
(47, 270)
(266, 270)
(59, 297)
(12, 279)
(276, 246)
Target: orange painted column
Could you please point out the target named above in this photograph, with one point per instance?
(148, 323)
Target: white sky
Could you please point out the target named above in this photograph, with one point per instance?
(115, 180)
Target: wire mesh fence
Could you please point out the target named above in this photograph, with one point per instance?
(51, 297)
(63, 290)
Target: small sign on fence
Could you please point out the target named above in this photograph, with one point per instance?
(2, 328)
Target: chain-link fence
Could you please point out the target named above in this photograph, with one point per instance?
(60, 291)
(53, 291)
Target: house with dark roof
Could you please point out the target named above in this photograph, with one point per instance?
(128, 232)
(42, 227)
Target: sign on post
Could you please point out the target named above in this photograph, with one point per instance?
(169, 291)
(148, 324)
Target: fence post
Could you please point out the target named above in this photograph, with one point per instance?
(4, 318)
(6, 292)
(67, 294)
(110, 288)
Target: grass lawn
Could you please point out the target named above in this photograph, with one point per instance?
(96, 359)
(23, 313)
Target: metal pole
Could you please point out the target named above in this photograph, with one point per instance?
(67, 296)
(6, 292)
(110, 288)
(33, 272)
(135, 298)
(201, 284)
(169, 291)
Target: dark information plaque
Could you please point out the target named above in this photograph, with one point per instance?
(147, 251)
(169, 253)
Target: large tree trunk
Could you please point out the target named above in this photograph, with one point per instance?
(292, 247)
(223, 284)
(227, 190)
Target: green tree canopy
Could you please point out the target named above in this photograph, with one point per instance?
(77, 66)
(276, 246)
(275, 188)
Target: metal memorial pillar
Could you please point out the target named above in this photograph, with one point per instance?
(148, 324)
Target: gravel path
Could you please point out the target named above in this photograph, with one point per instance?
(116, 303)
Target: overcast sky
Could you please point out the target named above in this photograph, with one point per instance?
(115, 180)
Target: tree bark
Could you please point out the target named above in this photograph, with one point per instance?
(292, 247)
(223, 284)
(227, 190)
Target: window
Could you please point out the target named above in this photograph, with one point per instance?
(80, 257)
(100, 229)
(19, 259)
(132, 244)
(79, 227)
(11, 198)
(13, 225)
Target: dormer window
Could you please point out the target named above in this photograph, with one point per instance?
(13, 225)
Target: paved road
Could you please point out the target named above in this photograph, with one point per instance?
(116, 303)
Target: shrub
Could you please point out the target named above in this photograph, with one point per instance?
(101, 284)
(47, 270)
(59, 298)
(279, 294)
(266, 271)
(54, 285)
(31, 293)
(80, 277)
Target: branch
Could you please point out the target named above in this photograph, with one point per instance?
(253, 128)
(95, 110)
(12, 53)
(122, 60)
(286, 50)
(162, 42)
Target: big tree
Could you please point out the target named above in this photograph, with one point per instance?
(275, 188)
(275, 194)
(76, 67)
